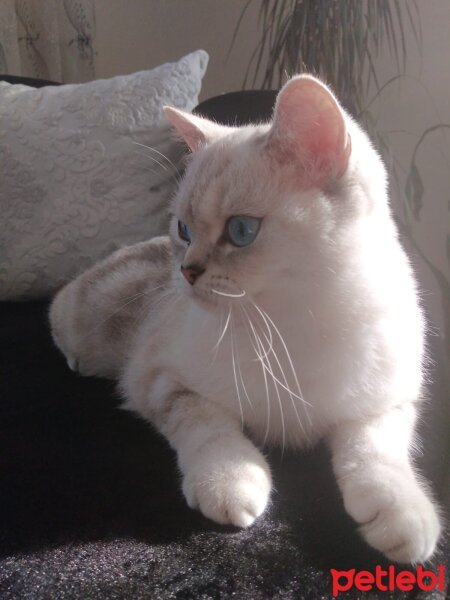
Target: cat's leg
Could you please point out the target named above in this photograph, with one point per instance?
(380, 488)
(94, 317)
(224, 475)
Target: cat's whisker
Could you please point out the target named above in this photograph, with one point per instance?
(311, 314)
(167, 295)
(266, 386)
(286, 383)
(215, 349)
(270, 340)
(272, 374)
(240, 375)
(235, 375)
(145, 305)
(168, 307)
(228, 295)
(152, 304)
(275, 381)
(160, 154)
(130, 300)
(222, 335)
(154, 171)
(272, 350)
(264, 315)
(277, 331)
(267, 367)
(161, 165)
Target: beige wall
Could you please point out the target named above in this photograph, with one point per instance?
(139, 34)
(405, 110)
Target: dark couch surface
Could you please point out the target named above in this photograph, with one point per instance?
(90, 505)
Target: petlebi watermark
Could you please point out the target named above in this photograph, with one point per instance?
(388, 580)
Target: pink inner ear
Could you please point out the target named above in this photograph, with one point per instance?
(188, 126)
(309, 125)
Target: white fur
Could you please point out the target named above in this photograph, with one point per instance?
(328, 288)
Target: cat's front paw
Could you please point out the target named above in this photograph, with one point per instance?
(398, 520)
(229, 493)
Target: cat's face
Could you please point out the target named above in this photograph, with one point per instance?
(251, 211)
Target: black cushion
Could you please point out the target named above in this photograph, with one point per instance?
(30, 81)
(239, 108)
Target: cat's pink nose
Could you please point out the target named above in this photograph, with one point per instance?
(192, 272)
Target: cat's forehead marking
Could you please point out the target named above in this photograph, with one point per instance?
(208, 185)
(227, 178)
(214, 166)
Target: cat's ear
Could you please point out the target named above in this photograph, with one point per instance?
(195, 131)
(309, 127)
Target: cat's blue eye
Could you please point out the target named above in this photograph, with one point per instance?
(183, 232)
(242, 230)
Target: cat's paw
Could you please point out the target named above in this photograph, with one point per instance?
(229, 493)
(398, 520)
(76, 365)
(72, 362)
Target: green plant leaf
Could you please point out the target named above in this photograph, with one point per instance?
(414, 191)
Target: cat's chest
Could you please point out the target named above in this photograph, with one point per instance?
(252, 367)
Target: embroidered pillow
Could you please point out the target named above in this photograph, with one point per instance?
(75, 183)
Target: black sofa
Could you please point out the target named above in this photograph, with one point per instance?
(90, 504)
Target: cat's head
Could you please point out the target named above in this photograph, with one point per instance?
(258, 205)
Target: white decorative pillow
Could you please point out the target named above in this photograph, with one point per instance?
(73, 184)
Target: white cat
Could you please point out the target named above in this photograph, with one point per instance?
(282, 303)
